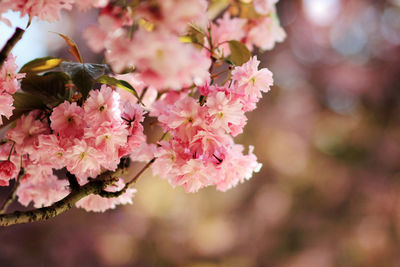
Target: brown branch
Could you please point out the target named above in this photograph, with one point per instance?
(107, 194)
(13, 193)
(93, 187)
(10, 45)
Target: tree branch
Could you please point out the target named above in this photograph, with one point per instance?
(10, 45)
(107, 194)
(93, 187)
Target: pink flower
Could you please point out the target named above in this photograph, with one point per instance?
(177, 14)
(206, 144)
(225, 111)
(6, 106)
(107, 138)
(120, 52)
(265, 32)
(41, 186)
(102, 105)
(83, 160)
(169, 159)
(226, 29)
(143, 153)
(97, 203)
(174, 15)
(184, 116)
(7, 172)
(48, 152)
(165, 62)
(9, 76)
(250, 81)
(236, 167)
(133, 116)
(44, 9)
(67, 120)
(26, 132)
(195, 174)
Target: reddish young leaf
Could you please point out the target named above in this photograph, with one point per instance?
(73, 47)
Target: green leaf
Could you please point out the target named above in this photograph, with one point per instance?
(118, 83)
(84, 75)
(24, 101)
(240, 54)
(23, 104)
(50, 87)
(40, 64)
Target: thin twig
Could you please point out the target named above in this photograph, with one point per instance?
(107, 194)
(13, 192)
(10, 45)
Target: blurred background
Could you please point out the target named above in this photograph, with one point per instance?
(328, 135)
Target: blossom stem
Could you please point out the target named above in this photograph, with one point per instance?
(10, 45)
(107, 194)
(11, 150)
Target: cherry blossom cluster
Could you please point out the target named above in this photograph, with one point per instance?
(8, 86)
(167, 51)
(85, 140)
(201, 151)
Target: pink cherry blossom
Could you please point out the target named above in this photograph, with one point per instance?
(120, 52)
(157, 50)
(208, 143)
(9, 76)
(178, 13)
(41, 186)
(107, 138)
(250, 81)
(225, 111)
(184, 116)
(265, 32)
(83, 160)
(102, 105)
(49, 152)
(67, 120)
(26, 132)
(98, 36)
(174, 15)
(237, 167)
(226, 29)
(167, 159)
(7, 172)
(43, 9)
(6, 106)
(195, 174)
